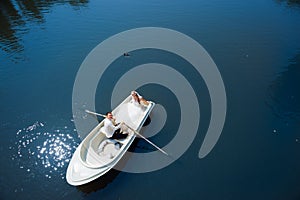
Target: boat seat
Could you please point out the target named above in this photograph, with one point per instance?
(92, 156)
(108, 149)
(104, 143)
(95, 142)
(101, 150)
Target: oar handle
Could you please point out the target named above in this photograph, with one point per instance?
(90, 112)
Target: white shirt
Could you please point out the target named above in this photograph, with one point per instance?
(109, 128)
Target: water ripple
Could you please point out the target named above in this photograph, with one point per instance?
(42, 150)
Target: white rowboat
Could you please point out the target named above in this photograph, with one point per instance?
(96, 154)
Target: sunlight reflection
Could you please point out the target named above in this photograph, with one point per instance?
(44, 151)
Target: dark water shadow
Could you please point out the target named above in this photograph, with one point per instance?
(290, 3)
(147, 122)
(15, 15)
(283, 94)
(99, 183)
(10, 40)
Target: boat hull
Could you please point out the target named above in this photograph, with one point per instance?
(87, 164)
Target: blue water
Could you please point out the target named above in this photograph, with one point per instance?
(255, 45)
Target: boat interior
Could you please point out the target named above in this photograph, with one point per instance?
(98, 151)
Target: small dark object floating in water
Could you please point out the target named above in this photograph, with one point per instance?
(126, 54)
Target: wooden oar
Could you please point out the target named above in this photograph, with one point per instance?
(90, 112)
(147, 140)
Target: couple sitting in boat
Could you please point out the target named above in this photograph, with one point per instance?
(111, 129)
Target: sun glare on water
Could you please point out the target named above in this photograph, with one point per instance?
(45, 151)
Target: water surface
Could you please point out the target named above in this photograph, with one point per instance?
(255, 46)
